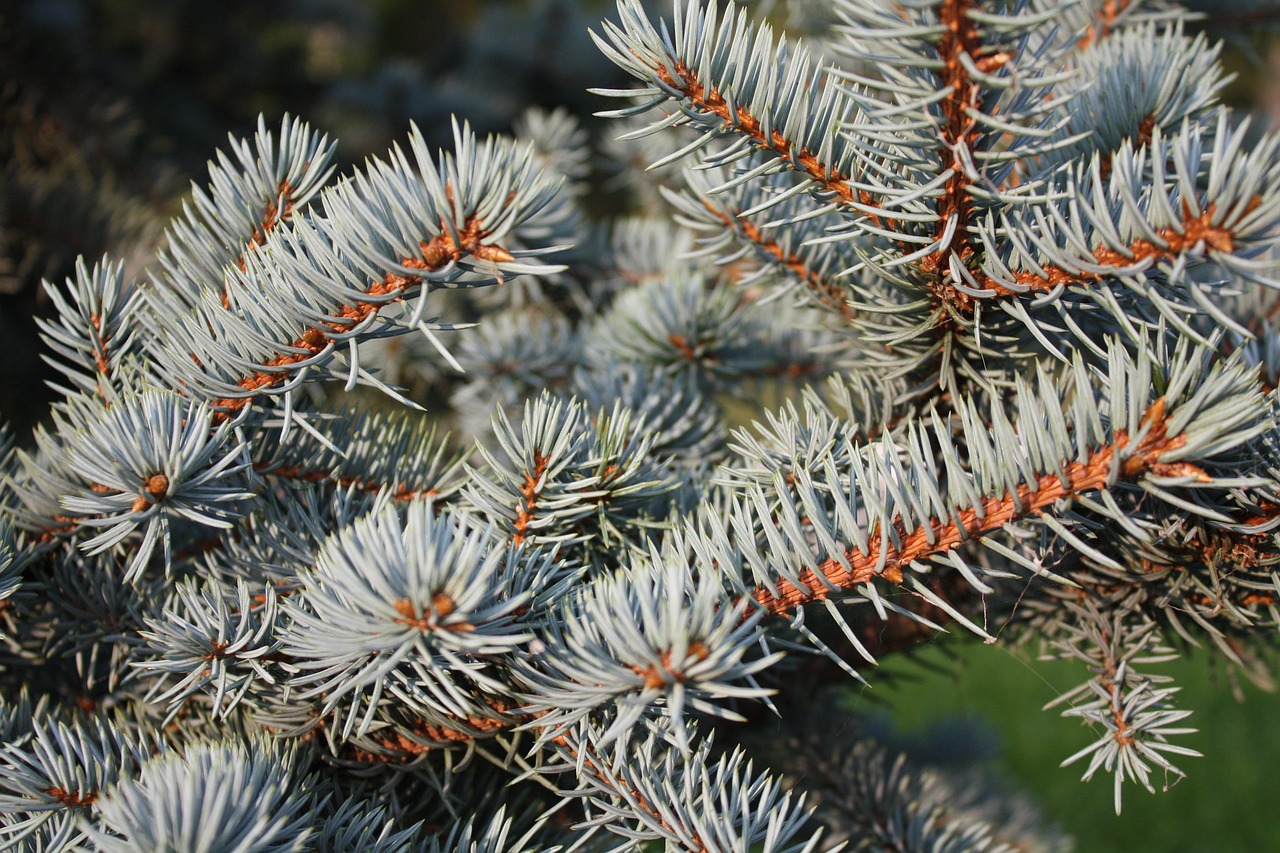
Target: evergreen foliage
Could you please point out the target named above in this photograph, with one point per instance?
(1007, 271)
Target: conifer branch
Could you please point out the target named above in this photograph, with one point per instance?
(411, 226)
(1195, 232)
(372, 453)
(778, 77)
(443, 250)
(1140, 139)
(720, 802)
(710, 100)
(529, 493)
(1076, 478)
(822, 289)
(407, 742)
(1132, 709)
(297, 473)
(634, 798)
(249, 195)
(96, 329)
(1087, 462)
(274, 213)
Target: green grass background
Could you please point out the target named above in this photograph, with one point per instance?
(1230, 800)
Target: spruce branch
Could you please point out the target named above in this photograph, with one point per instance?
(12, 562)
(707, 333)
(1130, 707)
(214, 641)
(1226, 218)
(96, 327)
(965, 60)
(774, 100)
(1025, 244)
(954, 209)
(498, 835)
(354, 825)
(825, 292)
(139, 461)
(729, 221)
(874, 799)
(681, 421)
(512, 356)
(440, 252)
(279, 539)
(307, 289)
(55, 775)
(212, 796)
(696, 801)
(248, 197)
(1146, 76)
(644, 639)
(371, 452)
(1033, 466)
(418, 610)
(562, 479)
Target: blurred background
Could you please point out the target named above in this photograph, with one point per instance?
(110, 108)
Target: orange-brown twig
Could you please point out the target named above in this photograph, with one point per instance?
(399, 491)
(1195, 229)
(960, 132)
(827, 293)
(276, 211)
(529, 493)
(640, 802)
(436, 254)
(936, 537)
(1103, 25)
(421, 737)
(709, 99)
(72, 799)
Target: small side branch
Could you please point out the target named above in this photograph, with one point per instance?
(276, 211)
(529, 492)
(825, 292)
(421, 737)
(1196, 229)
(633, 798)
(708, 99)
(398, 491)
(436, 254)
(937, 537)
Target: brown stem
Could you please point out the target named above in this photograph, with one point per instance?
(403, 747)
(421, 737)
(436, 254)
(1106, 678)
(959, 131)
(72, 799)
(1146, 128)
(709, 99)
(826, 293)
(401, 492)
(529, 492)
(640, 802)
(1195, 229)
(101, 358)
(936, 537)
(276, 211)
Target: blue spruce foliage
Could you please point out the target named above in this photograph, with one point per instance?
(960, 315)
